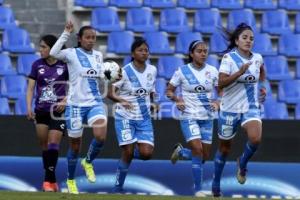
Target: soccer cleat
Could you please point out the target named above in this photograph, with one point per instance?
(241, 173)
(47, 187)
(216, 192)
(89, 170)
(72, 187)
(117, 190)
(55, 187)
(200, 194)
(175, 155)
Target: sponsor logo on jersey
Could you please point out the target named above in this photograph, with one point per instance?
(42, 71)
(200, 88)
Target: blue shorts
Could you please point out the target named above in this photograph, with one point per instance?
(228, 122)
(131, 131)
(197, 129)
(76, 116)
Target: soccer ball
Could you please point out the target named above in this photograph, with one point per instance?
(111, 71)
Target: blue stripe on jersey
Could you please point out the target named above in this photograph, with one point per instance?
(84, 61)
(202, 97)
(136, 83)
(249, 87)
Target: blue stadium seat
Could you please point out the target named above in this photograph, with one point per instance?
(298, 68)
(193, 4)
(260, 4)
(4, 108)
(297, 23)
(269, 90)
(120, 42)
(173, 20)
(228, 4)
(159, 3)
(105, 19)
(213, 60)
(16, 40)
(160, 88)
(21, 106)
(184, 39)
(13, 86)
(297, 111)
(275, 22)
(90, 3)
(217, 43)
(289, 4)
(126, 3)
(289, 91)
(25, 62)
(140, 20)
(275, 110)
(207, 20)
(167, 65)
(289, 44)
(6, 67)
(158, 42)
(263, 44)
(236, 17)
(7, 18)
(277, 68)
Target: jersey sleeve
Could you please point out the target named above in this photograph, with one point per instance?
(33, 72)
(154, 76)
(56, 50)
(226, 65)
(176, 78)
(215, 77)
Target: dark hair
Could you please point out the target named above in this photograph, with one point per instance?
(81, 32)
(137, 43)
(50, 40)
(192, 47)
(231, 36)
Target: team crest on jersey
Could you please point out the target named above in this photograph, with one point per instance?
(98, 60)
(208, 74)
(42, 71)
(59, 71)
(149, 77)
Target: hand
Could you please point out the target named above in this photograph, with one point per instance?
(126, 104)
(262, 95)
(214, 106)
(69, 27)
(180, 104)
(154, 107)
(244, 67)
(30, 115)
(60, 107)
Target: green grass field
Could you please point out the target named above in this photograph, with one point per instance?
(63, 196)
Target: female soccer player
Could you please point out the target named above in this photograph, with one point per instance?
(240, 72)
(133, 94)
(198, 81)
(49, 75)
(84, 103)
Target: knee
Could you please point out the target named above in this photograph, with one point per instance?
(255, 140)
(197, 150)
(146, 155)
(224, 150)
(205, 155)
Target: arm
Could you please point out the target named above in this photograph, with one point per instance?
(262, 84)
(172, 96)
(56, 49)
(29, 97)
(154, 105)
(225, 79)
(112, 95)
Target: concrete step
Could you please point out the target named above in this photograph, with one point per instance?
(41, 16)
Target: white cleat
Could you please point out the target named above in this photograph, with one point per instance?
(200, 194)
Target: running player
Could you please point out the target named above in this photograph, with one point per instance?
(133, 94)
(197, 80)
(84, 103)
(49, 76)
(239, 74)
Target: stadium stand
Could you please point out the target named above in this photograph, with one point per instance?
(263, 45)
(173, 20)
(260, 4)
(298, 68)
(13, 86)
(140, 20)
(289, 91)
(4, 108)
(275, 110)
(167, 65)
(213, 60)
(6, 65)
(277, 68)
(158, 42)
(297, 111)
(217, 43)
(20, 106)
(228, 4)
(90, 3)
(25, 62)
(184, 39)
(126, 3)
(207, 20)
(105, 19)
(193, 4)
(275, 22)
(120, 42)
(289, 4)
(7, 18)
(289, 44)
(236, 17)
(159, 3)
(160, 87)
(297, 23)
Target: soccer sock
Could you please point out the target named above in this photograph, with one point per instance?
(94, 150)
(219, 163)
(52, 161)
(121, 173)
(249, 150)
(136, 152)
(45, 165)
(197, 172)
(72, 158)
(185, 153)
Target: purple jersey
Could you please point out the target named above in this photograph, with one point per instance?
(51, 83)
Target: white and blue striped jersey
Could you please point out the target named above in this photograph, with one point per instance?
(197, 87)
(84, 72)
(135, 87)
(242, 94)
